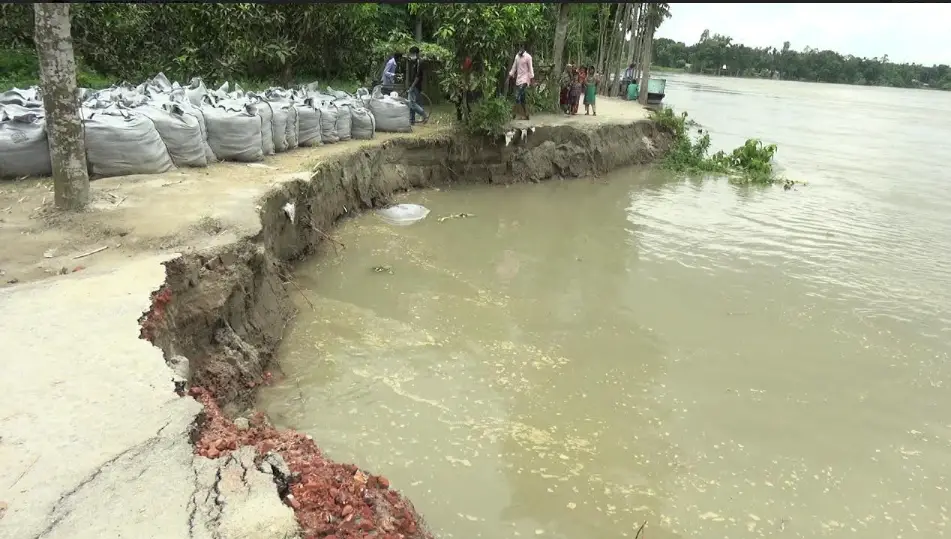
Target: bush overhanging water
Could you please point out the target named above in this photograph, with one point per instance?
(751, 163)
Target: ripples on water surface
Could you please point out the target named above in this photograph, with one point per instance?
(721, 362)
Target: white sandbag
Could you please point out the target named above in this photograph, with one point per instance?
(293, 125)
(363, 124)
(343, 124)
(159, 84)
(121, 142)
(24, 148)
(196, 92)
(263, 110)
(308, 123)
(391, 114)
(404, 214)
(363, 96)
(337, 94)
(328, 121)
(180, 132)
(278, 125)
(234, 135)
(281, 102)
(178, 97)
(23, 97)
(124, 95)
(222, 92)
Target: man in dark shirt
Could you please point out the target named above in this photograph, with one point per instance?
(416, 68)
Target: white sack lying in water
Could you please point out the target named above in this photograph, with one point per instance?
(404, 214)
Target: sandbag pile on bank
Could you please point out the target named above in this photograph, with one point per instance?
(161, 125)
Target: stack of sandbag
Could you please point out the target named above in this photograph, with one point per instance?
(360, 120)
(391, 113)
(121, 142)
(24, 148)
(235, 132)
(282, 102)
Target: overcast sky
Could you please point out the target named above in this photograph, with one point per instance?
(905, 32)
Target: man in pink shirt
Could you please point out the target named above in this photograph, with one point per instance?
(523, 72)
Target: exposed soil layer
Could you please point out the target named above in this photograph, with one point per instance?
(226, 309)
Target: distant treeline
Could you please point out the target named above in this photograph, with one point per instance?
(712, 52)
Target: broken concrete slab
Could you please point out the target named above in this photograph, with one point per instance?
(234, 499)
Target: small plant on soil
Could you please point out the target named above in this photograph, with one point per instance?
(751, 163)
(490, 117)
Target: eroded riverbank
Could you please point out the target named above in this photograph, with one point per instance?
(227, 311)
(224, 305)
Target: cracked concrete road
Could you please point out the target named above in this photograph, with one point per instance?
(94, 442)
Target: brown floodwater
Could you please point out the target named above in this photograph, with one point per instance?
(581, 357)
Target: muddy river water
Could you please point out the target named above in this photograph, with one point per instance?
(584, 356)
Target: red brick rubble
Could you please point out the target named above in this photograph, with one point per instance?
(330, 500)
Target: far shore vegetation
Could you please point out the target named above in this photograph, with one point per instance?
(712, 52)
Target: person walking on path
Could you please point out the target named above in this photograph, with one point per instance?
(389, 73)
(591, 90)
(523, 72)
(415, 72)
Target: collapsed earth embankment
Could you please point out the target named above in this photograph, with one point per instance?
(225, 310)
(98, 445)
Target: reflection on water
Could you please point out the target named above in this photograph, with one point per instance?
(581, 357)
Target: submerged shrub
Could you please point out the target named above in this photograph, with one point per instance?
(751, 163)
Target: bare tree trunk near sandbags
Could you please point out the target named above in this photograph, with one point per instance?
(64, 124)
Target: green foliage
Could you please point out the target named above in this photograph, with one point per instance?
(401, 41)
(751, 163)
(712, 52)
(542, 98)
(20, 68)
(490, 117)
(276, 42)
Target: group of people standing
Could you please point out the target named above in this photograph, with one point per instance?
(579, 85)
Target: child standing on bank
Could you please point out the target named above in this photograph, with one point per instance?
(591, 90)
(575, 91)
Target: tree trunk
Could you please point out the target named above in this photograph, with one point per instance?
(419, 28)
(636, 38)
(615, 37)
(646, 63)
(617, 59)
(64, 125)
(558, 50)
(604, 11)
